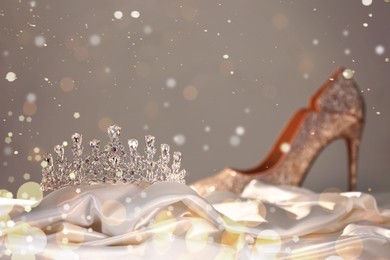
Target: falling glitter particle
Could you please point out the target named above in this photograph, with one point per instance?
(379, 50)
(225, 56)
(190, 93)
(316, 42)
(40, 41)
(240, 130)
(234, 140)
(31, 97)
(171, 83)
(118, 15)
(366, 2)
(365, 24)
(7, 151)
(179, 139)
(135, 14)
(76, 115)
(11, 76)
(206, 147)
(148, 29)
(94, 40)
(345, 33)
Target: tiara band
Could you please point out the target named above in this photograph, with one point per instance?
(110, 165)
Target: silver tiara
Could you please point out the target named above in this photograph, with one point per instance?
(111, 165)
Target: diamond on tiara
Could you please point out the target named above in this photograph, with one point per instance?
(110, 165)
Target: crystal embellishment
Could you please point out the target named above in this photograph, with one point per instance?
(113, 164)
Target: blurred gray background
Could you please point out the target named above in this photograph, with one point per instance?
(217, 80)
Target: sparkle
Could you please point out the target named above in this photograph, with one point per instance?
(348, 73)
(285, 147)
(148, 29)
(240, 130)
(379, 49)
(76, 115)
(179, 139)
(40, 41)
(72, 176)
(94, 40)
(171, 83)
(225, 56)
(366, 2)
(365, 24)
(190, 93)
(135, 14)
(234, 140)
(118, 15)
(44, 164)
(31, 97)
(29, 239)
(11, 76)
(8, 140)
(316, 42)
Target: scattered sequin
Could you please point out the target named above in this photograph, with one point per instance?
(135, 14)
(366, 2)
(118, 15)
(11, 76)
(76, 115)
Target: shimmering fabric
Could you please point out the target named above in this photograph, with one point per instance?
(170, 221)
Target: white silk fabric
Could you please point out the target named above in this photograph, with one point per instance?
(171, 221)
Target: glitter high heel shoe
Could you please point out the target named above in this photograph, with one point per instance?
(335, 111)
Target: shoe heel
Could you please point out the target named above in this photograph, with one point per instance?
(353, 143)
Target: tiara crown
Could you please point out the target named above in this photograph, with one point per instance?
(110, 165)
